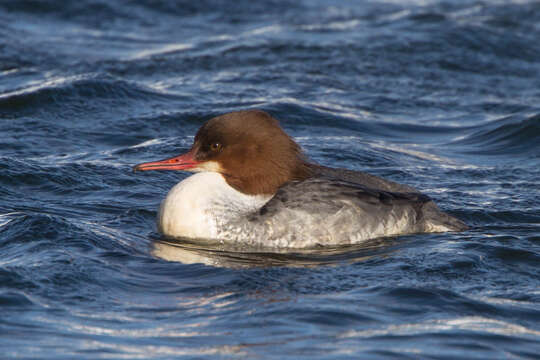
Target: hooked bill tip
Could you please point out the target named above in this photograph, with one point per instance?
(137, 168)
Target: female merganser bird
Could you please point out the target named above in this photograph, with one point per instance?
(254, 186)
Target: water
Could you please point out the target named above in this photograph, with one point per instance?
(443, 96)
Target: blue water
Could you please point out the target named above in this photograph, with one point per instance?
(441, 95)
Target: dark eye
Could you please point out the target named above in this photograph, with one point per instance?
(215, 146)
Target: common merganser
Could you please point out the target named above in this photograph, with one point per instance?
(255, 187)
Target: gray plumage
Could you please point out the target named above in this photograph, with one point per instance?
(336, 207)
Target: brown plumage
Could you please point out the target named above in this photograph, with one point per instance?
(255, 154)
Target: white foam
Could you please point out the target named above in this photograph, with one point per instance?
(162, 50)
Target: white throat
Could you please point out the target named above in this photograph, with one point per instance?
(201, 205)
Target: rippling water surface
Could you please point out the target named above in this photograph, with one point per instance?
(441, 95)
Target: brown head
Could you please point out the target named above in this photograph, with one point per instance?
(250, 150)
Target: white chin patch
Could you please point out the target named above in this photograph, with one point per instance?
(212, 166)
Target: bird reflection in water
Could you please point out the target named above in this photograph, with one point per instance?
(190, 251)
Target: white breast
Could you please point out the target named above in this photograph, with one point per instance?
(201, 205)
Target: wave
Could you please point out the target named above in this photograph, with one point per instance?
(512, 135)
(75, 91)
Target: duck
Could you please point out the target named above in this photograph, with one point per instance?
(254, 186)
